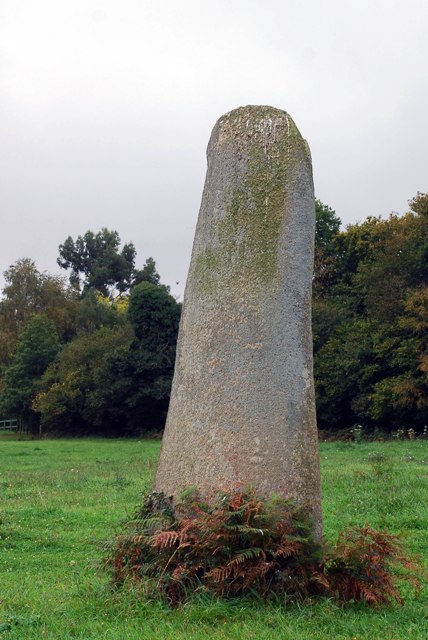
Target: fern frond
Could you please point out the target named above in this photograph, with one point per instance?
(246, 530)
(285, 551)
(247, 554)
(164, 539)
(257, 572)
(321, 579)
(368, 595)
(220, 574)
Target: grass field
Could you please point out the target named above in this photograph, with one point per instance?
(61, 498)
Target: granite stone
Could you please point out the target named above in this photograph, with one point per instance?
(242, 409)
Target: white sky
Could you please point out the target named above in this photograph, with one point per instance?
(106, 108)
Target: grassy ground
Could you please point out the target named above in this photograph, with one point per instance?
(60, 498)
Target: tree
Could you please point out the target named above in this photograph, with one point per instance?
(148, 273)
(27, 292)
(97, 263)
(419, 206)
(344, 369)
(327, 227)
(401, 396)
(94, 311)
(37, 347)
(154, 315)
(369, 322)
(133, 387)
(115, 380)
(391, 267)
(68, 384)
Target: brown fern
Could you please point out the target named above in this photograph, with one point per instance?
(361, 567)
(164, 539)
(238, 542)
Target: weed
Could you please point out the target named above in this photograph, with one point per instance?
(408, 458)
(121, 481)
(357, 433)
(376, 457)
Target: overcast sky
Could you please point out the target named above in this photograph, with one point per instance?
(106, 108)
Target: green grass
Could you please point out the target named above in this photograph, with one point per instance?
(61, 498)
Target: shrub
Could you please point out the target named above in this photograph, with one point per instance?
(237, 543)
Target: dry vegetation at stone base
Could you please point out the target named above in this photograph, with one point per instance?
(60, 499)
(237, 544)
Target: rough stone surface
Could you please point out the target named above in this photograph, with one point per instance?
(242, 408)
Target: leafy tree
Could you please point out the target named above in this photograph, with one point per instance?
(133, 387)
(115, 380)
(390, 270)
(148, 273)
(96, 262)
(94, 311)
(327, 227)
(64, 399)
(37, 347)
(401, 396)
(154, 315)
(27, 292)
(369, 322)
(419, 206)
(344, 369)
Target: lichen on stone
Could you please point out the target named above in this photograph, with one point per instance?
(245, 239)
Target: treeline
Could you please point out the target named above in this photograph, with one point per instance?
(95, 354)
(370, 320)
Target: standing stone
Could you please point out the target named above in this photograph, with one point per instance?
(242, 410)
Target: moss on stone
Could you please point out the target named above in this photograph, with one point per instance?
(207, 265)
(247, 237)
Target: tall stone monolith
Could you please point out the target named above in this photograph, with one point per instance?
(242, 408)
